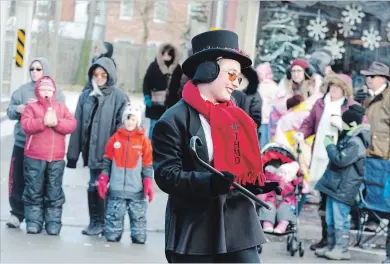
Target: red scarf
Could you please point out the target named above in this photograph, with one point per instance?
(236, 146)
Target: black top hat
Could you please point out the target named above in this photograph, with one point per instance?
(214, 44)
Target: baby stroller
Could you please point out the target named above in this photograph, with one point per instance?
(374, 199)
(275, 154)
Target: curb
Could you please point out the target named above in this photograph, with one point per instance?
(307, 234)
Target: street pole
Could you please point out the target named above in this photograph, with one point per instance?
(55, 36)
(24, 18)
(219, 17)
(100, 22)
(81, 77)
(3, 21)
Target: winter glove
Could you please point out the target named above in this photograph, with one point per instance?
(148, 101)
(361, 95)
(268, 187)
(102, 186)
(148, 188)
(337, 122)
(221, 185)
(328, 141)
(299, 137)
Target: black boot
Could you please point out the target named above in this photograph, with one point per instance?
(324, 240)
(96, 214)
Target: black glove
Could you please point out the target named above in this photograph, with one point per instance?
(361, 95)
(71, 164)
(221, 185)
(268, 187)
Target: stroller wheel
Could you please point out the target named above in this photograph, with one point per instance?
(289, 239)
(259, 249)
(301, 249)
(294, 247)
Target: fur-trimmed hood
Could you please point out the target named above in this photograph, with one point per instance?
(250, 81)
(160, 62)
(337, 80)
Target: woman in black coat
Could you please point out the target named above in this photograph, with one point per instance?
(161, 83)
(206, 220)
(251, 103)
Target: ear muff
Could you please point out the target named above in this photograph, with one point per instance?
(206, 72)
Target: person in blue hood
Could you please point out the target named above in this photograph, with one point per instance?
(22, 96)
(342, 180)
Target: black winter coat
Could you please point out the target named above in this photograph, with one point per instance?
(252, 103)
(344, 174)
(196, 221)
(98, 117)
(156, 79)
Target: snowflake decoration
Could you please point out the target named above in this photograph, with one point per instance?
(388, 31)
(317, 28)
(336, 48)
(346, 29)
(371, 39)
(353, 14)
(261, 42)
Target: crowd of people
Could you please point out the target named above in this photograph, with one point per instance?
(236, 110)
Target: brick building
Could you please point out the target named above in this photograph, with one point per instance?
(162, 20)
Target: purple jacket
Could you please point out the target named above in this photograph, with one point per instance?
(310, 124)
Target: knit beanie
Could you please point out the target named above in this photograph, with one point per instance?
(47, 82)
(132, 110)
(300, 62)
(265, 70)
(354, 115)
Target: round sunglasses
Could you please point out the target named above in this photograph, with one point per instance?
(233, 76)
(35, 69)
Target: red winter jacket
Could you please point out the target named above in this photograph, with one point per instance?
(46, 143)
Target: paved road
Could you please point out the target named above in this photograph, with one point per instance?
(71, 246)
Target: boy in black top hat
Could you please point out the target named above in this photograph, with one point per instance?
(206, 219)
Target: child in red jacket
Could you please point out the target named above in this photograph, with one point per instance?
(46, 123)
(128, 166)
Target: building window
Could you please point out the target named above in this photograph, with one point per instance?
(123, 41)
(154, 43)
(127, 9)
(42, 8)
(160, 11)
(353, 31)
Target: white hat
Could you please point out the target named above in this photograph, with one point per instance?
(132, 110)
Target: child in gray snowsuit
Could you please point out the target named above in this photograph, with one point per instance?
(127, 151)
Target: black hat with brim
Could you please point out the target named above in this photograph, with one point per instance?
(211, 45)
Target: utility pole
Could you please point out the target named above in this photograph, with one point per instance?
(24, 17)
(55, 38)
(3, 21)
(87, 44)
(220, 14)
(100, 21)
